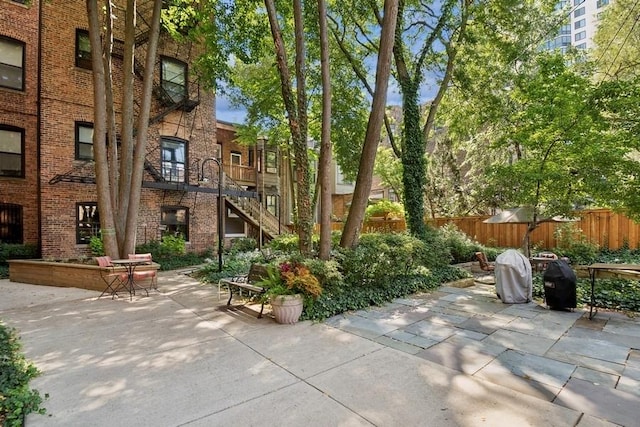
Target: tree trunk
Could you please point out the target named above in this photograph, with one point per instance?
(324, 168)
(297, 117)
(107, 223)
(351, 232)
(141, 133)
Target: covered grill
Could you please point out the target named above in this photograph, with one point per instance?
(560, 285)
(514, 283)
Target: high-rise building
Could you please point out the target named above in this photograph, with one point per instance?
(580, 26)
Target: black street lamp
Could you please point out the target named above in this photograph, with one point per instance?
(220, 205)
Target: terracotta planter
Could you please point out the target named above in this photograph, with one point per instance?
(287, 308)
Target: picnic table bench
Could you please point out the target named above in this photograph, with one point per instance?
(246, 282)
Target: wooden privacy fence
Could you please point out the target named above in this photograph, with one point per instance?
(600, 226)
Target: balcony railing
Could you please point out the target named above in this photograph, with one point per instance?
(240, 173)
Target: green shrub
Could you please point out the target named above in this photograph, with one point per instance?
(243, 244)
(17, 251)
(386, 209)
(338, 299)
(284, 242)
(380, 257)
(96, 245)
(16, 398)
(573, 244)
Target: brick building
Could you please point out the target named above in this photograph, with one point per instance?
(47, 180)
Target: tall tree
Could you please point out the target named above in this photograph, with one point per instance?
(295, 103)
(617, 40)
(352, 227)
(324, 167)
(119, 188)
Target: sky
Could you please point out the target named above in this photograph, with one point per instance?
(226, 113)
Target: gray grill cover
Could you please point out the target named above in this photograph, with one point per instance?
(513, 277)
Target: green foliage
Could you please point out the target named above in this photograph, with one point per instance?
(170, 253)
(167, 247)
(462, 247)
(235, 264)
(285, 243)
(380, 257)
(386, 209)
(16, 251)
(348, 296)
(244, 244)
(573, 244)
(17, 399)
(96, 245)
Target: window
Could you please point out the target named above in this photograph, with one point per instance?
(173, 74)
(84, 141)
(581, 46)
(175, 221)
(83, 49)
(236, 158)
(601, 3)
(272, 203)
(173, 159)
(578, 12)
(11, 63)
(565, 30)
(270, 161)
(579, 24)
(10, 223)
(577, 2)
(581, 35)
(11, 151)
(87, 222)
(250, 159)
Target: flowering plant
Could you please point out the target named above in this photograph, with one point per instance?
(290, 278)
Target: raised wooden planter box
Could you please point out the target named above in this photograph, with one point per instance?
(62, 274)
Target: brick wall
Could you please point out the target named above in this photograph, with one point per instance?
(19, 109)
(67, 97)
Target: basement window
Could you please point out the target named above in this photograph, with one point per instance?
(87, 222)
(11, 223)
(175, 221)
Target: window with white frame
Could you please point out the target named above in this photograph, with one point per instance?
(87, 222)
(580, 24)
(84, 141)
(173, 77)
(578, 12)
(175, 221)
(271, 162)
(11, 151)
(11, 63)
(174, 159)
(581, 35)
(236, 158)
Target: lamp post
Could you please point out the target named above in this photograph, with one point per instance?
(220, 205)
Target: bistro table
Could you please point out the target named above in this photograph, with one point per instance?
(627, 270)
(130, 265)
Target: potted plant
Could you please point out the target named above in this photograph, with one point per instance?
(286, 286)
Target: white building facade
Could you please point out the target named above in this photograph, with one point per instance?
(581, 25)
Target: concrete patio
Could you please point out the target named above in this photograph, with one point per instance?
(455, 357)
